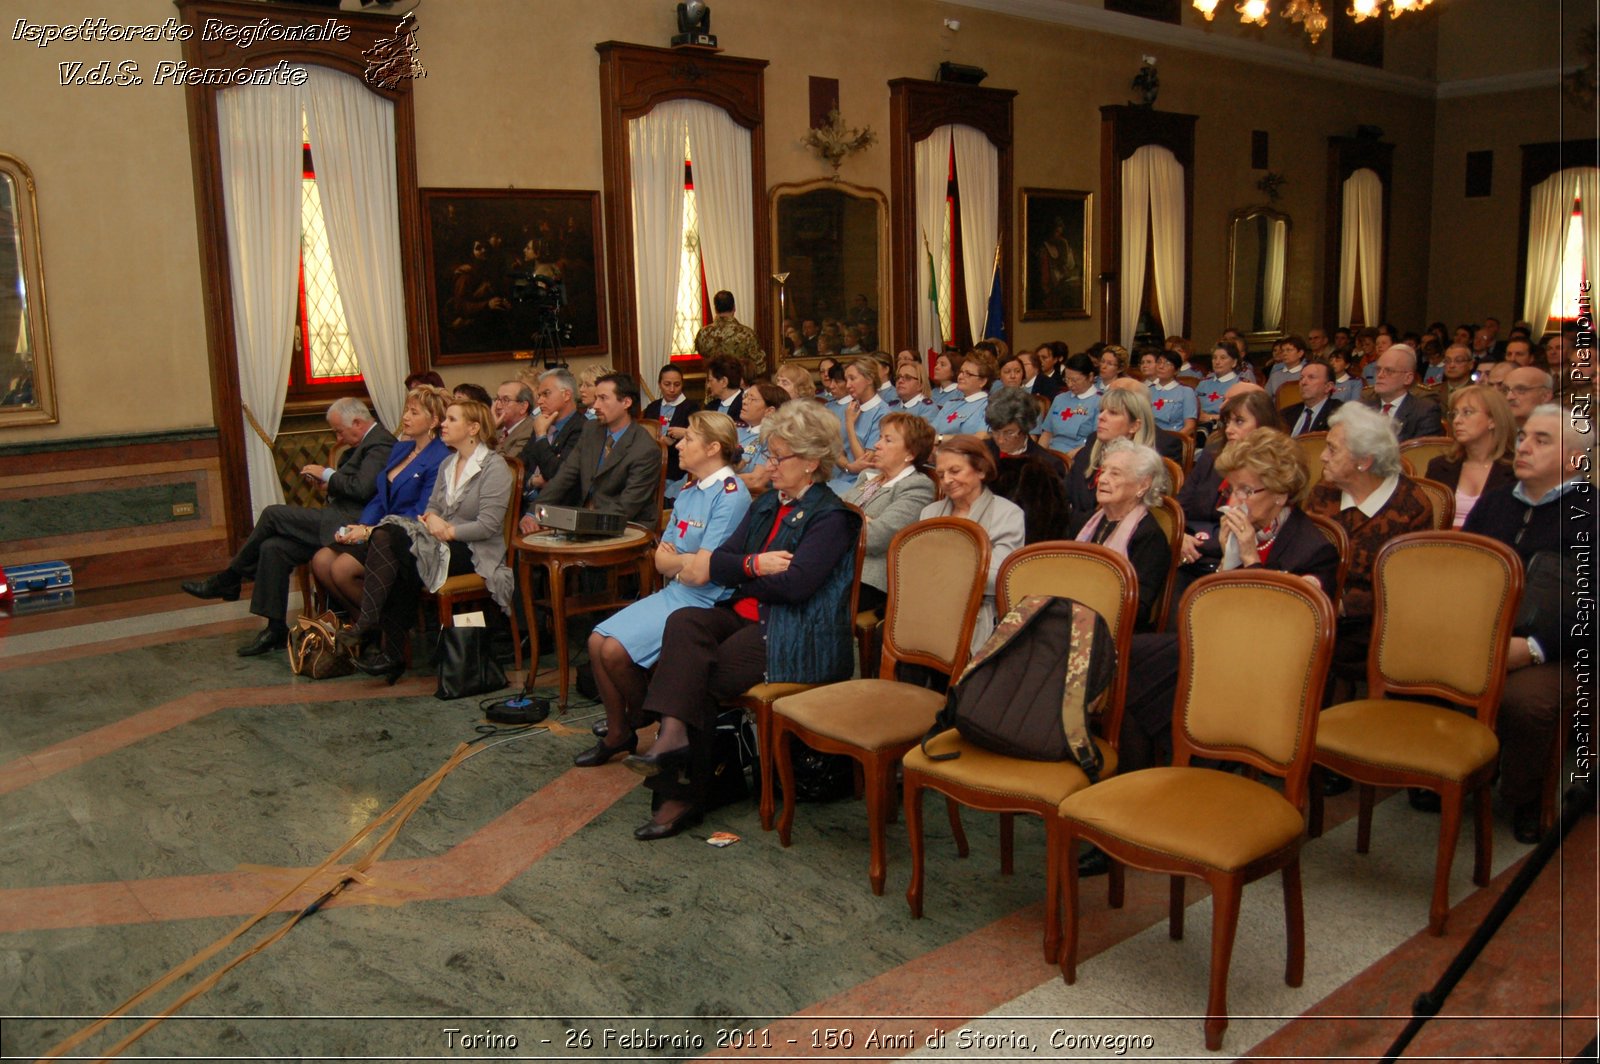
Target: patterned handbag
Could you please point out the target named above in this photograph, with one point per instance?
(313, 651)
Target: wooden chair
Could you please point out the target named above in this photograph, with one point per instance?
(1380, 741)
(981, 779)
(759, 699)
(1443, 498)
(1334, 532)
(928, 623)
(470, 587)
(1214, 825)
(1174, 474)
(1424, 449)
(1169, 515)
(1288, 394)
(1311, 445)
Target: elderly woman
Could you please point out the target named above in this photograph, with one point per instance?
(1125, 414)
(1204, 494)
(911, 389)
(626, 644)
(858, 424)
(965, 416)
(1075, 408)
(790, 564)
(891, 494)
(796, 380)
(760, 400)
(404, 489)
(1029, 475)
(461, 531)
(1480, 459)
(965, 471)
(1364, 491)
(945, 391)
(1132, 479)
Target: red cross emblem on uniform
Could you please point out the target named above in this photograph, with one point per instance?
(1213, 396)
(1160, 403)
(951, 420)
(1066, 415)
(683, 529)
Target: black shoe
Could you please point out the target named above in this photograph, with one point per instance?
(378, 663)
(1334, 784)
(519, 710)
(1093, 862)
(652, 831)
(1423, 800)
(601, 754)
(652, 764)
(266, 641)
(223, 585)
(600, 728)
(1525, 824)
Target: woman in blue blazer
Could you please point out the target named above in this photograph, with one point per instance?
(403, 489)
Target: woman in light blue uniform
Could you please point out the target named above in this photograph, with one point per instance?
(966, 416)
(1175, 405)
(945, 389)
(1074, 410)
(1212, 391)
(625, 644)
(759, 401)
(1346, 389)
(911, 386)
(858, 424)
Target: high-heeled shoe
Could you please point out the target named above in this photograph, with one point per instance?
(601, 754)
(653, 764)
(652, 831)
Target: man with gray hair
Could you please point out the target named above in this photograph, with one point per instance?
(287, 536)
(1411, 416)
(513, 407)
(556, 429)
(1526, 388)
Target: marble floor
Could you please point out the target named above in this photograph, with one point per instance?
(158, 792)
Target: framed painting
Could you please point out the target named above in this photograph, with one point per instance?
(1055, 250)
(513, 274)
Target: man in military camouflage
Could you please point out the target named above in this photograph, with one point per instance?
(726, 337)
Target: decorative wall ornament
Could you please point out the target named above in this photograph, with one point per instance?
(1271, 184)
(834, 142)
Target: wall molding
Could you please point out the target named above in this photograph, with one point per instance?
(125, 439)
(1495, 84)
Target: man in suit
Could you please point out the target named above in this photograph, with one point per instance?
(287, 536)
(1411, 415)
(513, 407)
(555, 431)
(616, 465)
(1317, 402)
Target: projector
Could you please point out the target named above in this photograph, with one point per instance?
(590, 524)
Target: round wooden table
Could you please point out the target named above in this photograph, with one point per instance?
(558, 553)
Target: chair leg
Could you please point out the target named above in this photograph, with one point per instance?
(1449, 831)
(913, 804)
(1175, 908)
(1314, 821)
(1550, 801)
(1364, 817)
(1483, 841)
(763, 712)
(954, 808)
(516, 639)
(1007, 842)
(1224, 923)
(447, 611)
(780, 757)
(877, 769)
(1294, 920)
(1052, 888)
(1115, 882)
(1068, 871)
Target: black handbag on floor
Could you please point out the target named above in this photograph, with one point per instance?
(466, 667)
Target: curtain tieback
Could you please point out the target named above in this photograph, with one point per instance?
(250, 417)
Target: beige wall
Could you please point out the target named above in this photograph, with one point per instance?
(511, 99)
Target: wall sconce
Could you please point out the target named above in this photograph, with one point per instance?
(834, 142)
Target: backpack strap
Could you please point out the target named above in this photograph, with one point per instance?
(1074, 692)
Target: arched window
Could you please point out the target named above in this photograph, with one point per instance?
(324, 356)
(1574, 270)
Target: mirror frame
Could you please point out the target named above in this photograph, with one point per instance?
(1288, 228)
(43, 411)
(800, 188)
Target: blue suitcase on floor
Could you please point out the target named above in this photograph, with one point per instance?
(38, 576)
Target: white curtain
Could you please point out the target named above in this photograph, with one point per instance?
(655, 164)
(1549, 214)
(259, 132)
(1166, 234)
(1589, 204)
(1272, 279)
(1135, 238)
(1361, 243)
(978, 177)
(352, 141)
(720, 148)
(932, 159)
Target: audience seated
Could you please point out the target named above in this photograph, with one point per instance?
(911, 391)
(670, 413)
(1214, 386)
(404, 489)
(616, 464)
(588, 377)
(462, 530)
(796, 380)
(1318, 400)
(966, 470)
(964, 416)
(1132, 479)
(892, 494)
(513, 405)
(1174, 403)
(1204, 495)
(724, 384)
(760, 400)
(1076, 406)
(858, 424)
(1289, 356)
(790, 563)
(1010, 372)
(475, 393)
(1480, 459)
(1527, 387)
(1028, 475)
(1051, 357)
(556, 430)
(627, 644)
(945, 390)
(1124, 414)
(288, 536)
(1412, 415)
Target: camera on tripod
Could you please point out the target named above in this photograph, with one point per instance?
(544, 295)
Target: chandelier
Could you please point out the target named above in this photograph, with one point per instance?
(1309, 13)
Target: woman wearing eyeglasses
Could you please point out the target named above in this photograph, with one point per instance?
(1480, 459)
(964, 416)
(1029, 475)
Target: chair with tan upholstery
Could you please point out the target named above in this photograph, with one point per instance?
(1443, 498)
(470, 587)
(759, 699)
(1424, 449)
(1382, 741)
(1311, 445)
(1334, 533)
(1288, 394)
(981, 779)
(1174, 474)
(927, 623)
(1214, 825)
(1169, 515)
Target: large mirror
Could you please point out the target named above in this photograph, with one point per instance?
(27, 388)
(1258, 253)
(832, 239)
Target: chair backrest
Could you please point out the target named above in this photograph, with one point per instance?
(661, 481)
(1460, 657)
(1174, 474)
(1169, 515)
(860, 560)
(1443, 500)
(1089, 573)
(1261, 711)
(1334, 533)
(937, 572)
(514, 508)
(1188, 453)
(1311, 445)
(1288, 394)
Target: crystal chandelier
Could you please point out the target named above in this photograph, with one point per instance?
(1309, 13)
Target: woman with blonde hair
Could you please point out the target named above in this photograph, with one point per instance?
(1485, 441)
(911, 388)
(1124, 414)
(796, 380)
(588, 377)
